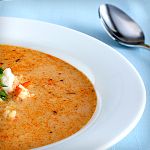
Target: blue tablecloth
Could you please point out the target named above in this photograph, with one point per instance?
(82, 15)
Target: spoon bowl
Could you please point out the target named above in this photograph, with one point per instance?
(121, 27)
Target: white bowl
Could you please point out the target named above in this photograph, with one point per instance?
(122, 91)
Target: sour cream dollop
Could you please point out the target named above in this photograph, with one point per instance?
(8, 80)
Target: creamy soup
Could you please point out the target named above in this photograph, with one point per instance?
(45, 100)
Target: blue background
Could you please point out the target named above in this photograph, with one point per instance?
(82, 15)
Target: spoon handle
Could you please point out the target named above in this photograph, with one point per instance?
(146, 46)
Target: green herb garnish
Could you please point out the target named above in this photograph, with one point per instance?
(3, 95)
(1, 71)
(2, 85)
(1, 75)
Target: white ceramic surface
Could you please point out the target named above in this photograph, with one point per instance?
(119, 84)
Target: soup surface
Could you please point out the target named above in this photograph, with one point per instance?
(63, 100)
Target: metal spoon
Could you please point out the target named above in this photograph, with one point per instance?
(121, 27)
